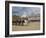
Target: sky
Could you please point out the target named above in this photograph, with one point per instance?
(28, 11)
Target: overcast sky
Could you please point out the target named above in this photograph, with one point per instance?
(29, 11)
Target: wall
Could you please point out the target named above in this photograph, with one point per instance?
(2, 19)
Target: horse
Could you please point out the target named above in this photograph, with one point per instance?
(19, 22)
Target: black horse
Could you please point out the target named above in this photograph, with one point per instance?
(19, 22)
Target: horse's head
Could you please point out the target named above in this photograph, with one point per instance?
(25, 21)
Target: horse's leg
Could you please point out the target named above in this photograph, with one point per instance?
(19, 23)
(16, 23)
(22, 23)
